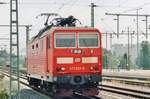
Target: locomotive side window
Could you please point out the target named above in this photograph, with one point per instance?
(36, 45)
(32, 46)
(65, 40)
(88, 39)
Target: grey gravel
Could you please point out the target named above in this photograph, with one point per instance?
(30, 94)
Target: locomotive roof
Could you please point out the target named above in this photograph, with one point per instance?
(50, 28)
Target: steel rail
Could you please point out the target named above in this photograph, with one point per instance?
(37, 90)
(113, 89)
(127, 77)
(81, 96)
(76, 95)
(130, 80)
(125, 91)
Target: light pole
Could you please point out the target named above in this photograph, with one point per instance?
(27, 41)
(106, 50)
(137, 13)
(128, 66)
(117, 25)
(111, 37)
(92, 13)
(133, 32)
(146, 26)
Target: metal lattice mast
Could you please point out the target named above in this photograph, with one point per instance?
(14, 51)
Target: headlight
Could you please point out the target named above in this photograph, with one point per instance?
(91, 68)
(94, 68)
(61, 69)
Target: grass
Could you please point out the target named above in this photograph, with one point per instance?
(3, 92)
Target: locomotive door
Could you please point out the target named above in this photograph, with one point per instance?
(47, 47)
(49, 62)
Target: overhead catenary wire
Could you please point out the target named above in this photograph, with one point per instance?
(141, 6)
(108, 26)
(71, 5)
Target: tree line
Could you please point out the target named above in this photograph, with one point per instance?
(111, 61)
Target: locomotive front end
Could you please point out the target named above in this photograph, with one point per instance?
(77, 58)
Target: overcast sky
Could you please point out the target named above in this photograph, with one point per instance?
(29, 9)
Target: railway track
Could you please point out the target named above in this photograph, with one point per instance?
(131, 80)
(125, 91)
(38, 90)
(144, 81)
(118, 90)
(22, 81)
(81, 96)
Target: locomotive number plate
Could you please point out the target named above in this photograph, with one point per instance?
(77, 68)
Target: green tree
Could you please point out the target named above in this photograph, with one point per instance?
(105, 59)
(109, 60)
(125, 62)
(3, 55)
(144, 57)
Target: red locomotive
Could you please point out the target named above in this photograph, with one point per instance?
(65, 59)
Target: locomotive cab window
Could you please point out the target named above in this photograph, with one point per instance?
(65, 40)
(88, 40)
